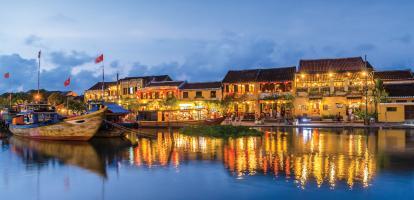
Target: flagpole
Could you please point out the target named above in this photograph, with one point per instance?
(38, 75)
(10, 94)
(103, 80)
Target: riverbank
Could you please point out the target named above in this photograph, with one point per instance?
(324, 125)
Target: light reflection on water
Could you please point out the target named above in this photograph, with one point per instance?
(304, 158)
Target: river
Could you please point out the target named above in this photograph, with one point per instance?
(282, 164)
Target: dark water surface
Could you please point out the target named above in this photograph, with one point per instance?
(283, 164)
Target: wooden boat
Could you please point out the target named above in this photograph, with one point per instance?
(113, 120)
(45, 124)
(178, 124)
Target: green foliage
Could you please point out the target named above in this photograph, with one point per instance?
(170, 103)
(361, 114)
(56, 99)
(77, 106)
(220, 131)
(227, 102)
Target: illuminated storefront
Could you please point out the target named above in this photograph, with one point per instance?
(333, 87)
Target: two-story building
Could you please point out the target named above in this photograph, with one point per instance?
(399, 105)
(203, 96)
(129, 86)
(333, 87)
(257, 91)
(155, 92)
(94, 93)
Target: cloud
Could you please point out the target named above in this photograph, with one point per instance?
(23, 72)
(405, 39)
(33, 40)
(365, 47)
(60, 18)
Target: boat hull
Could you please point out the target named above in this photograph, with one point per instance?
(81, 128)
(179, 124)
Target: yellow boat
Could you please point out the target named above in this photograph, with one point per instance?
(45, 124)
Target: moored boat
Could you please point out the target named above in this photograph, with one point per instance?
(114, 119)
(45, 124)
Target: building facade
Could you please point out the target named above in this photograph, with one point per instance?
(329, 88)
(155, 94)
(94, 93)
(399, 105)
(129, 86)
(259, 91)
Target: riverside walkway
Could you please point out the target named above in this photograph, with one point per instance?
(324, 125)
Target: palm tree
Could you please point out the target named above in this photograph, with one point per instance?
(379, 94)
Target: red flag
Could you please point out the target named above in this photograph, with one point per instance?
(7, 75)
(67, 82)
(99, 59)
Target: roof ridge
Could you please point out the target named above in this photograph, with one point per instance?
(340, 58)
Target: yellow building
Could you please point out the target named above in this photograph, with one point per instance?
(95, 92)
(259, 91)
(399, 84)
(202, 97)
(129, 86)
(325, 88)
(155, 93)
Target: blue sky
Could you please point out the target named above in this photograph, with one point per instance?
(194, 40)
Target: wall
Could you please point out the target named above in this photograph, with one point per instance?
(205, 93)
(391, 116)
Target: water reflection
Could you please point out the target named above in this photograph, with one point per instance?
(305, 157)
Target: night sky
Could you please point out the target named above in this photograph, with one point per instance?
(193, 40)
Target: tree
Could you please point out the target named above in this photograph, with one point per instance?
(77, 106)
(169, 102)
(56, 99)
(227, 102)
(379, 95)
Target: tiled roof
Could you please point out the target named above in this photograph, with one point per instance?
(394, 75)
(277, 74)
(260, 75)
(400, 90)
(333, 65)
(149, 78)
(165, 83)
(241, 76)
(201, 85)
(98, 85)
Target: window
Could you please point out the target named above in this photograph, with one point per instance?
(325, 107)
(213, 94)
(131, 90)
(246, 88)
(185, 95)
(157, 95)
(236, 89)
(227, 88)
(199, 94)
(125, 91)
(391, 109)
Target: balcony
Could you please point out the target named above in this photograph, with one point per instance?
(339, 91)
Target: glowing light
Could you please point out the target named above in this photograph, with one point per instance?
(330, 74)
